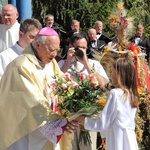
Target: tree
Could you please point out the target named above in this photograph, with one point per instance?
(139, 10)
(2, 3)
(86, 11)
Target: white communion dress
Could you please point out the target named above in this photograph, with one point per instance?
(116, 122)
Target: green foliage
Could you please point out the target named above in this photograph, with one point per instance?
(145, 115)
(79, 92)
(80, 95)
(140, 10)
(86, 11)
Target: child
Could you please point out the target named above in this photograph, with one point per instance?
(116, 122)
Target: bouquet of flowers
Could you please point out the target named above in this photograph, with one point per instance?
(80, 95)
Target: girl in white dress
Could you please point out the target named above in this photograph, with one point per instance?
(116, 122)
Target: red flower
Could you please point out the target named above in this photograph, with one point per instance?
(82, 76)
(91, 77)
(74, 84)
(93, 80)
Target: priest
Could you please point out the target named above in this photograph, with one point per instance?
(9, 29)
(27, 119)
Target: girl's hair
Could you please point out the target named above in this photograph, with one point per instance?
(126, 77)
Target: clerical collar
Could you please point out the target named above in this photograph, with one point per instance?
(41, 64)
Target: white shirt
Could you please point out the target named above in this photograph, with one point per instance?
(98, 36)
(9, 55)
(94, 44)
(8, 35)
(116, 122)
(137, 40)
(79, 67)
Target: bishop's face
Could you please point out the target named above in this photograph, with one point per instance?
(48, 50)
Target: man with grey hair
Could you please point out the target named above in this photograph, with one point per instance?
(10, 28)
(49, 20)
(101, 35)
(29, 122)
(94, 43)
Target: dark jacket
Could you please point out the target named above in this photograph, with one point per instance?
(144, 44)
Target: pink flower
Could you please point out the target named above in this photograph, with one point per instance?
(82, 76)
(64, 86)
(53, 84)
(74, 84)
(67, 76)
(93, 80)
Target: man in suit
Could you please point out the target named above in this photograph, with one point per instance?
(93, 41)
(100, 34)
(75, 28)
(99, 29)
(142, 41)
(49, 21)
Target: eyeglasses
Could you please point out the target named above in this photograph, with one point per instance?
(7, 15)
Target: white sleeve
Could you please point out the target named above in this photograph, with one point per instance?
(53, 130)
(107, 116)
(2, 65)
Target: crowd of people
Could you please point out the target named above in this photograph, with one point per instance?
(28, 63)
